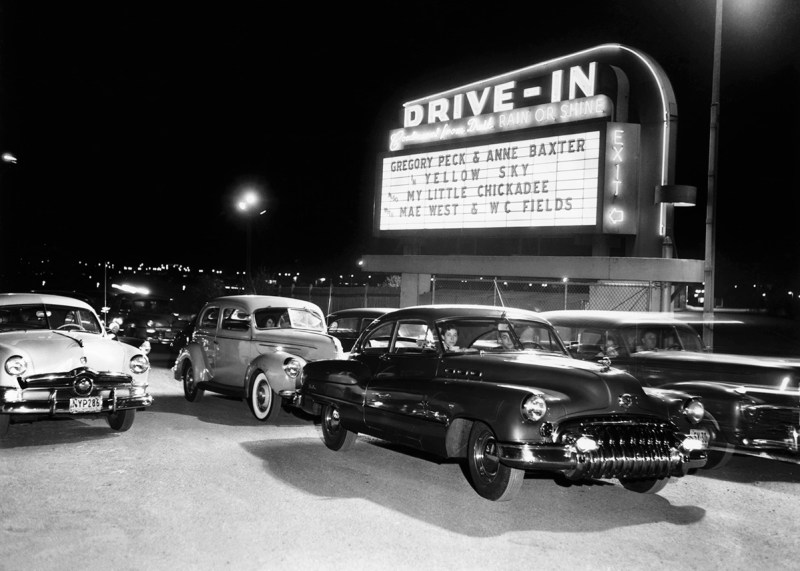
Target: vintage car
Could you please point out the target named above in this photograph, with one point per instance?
(253, 347)
(504, 408)
(754, 400)
(59, 362)
(347, 324)
(151, 318)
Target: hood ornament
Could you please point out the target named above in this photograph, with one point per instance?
(626, 400)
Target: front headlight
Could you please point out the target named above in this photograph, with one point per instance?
(694, 410)
(533, 408)
(292, 368)
(139, 364)
(16, 365)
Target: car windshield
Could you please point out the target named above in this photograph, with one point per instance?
(41, 316)
(498, 335)
(291, 317)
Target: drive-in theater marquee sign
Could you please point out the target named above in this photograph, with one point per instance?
(545, 147)
(572, 148)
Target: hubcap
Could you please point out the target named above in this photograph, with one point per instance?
(333, 420)
(261, 397)
(486, 456)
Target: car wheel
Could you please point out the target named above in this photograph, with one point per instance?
(122, 419)
(644, 485)
(5, 421)
(491, 479)
(334, 435)
(191, 391)
(260, 397)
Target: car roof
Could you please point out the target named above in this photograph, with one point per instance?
(362, 311)
(445, 311)
(608, 318)
(44, 298)
(253, 302)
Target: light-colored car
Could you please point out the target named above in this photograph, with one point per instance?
(58, 361)
(254, 347)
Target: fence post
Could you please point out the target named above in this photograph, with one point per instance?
(566, 288)
(366, 296)
(433, 289)
(330, 297)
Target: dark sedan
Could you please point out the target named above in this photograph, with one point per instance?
(754, 400)
(347, 324)
(483, 396)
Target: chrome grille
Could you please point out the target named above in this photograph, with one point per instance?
(627, 449)
(66, 379)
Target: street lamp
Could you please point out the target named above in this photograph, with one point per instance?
(248, 204)
(711, 203)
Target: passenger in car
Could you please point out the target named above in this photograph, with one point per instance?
(450, 338)
(505, 340)
(649, 342)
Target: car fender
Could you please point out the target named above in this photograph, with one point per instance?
(339, 382)
(720, 400)
(498, 406)
(191, 355)
(272, 365)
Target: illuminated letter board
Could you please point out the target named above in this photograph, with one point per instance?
(538, 182)
(544, 181)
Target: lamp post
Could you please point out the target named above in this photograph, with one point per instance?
(248, 204)
(711, 202)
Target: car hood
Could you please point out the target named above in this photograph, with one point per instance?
(304, 343)
(52, 351)
(751, 370)
(579, 386)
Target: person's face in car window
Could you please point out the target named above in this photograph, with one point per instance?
(505, 340)
(649, 341)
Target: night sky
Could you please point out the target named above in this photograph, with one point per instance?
(135, 124)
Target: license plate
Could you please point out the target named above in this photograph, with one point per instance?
(702, 435)
(85, 404)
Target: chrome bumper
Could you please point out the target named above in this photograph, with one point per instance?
(625, 462)
(13, 401)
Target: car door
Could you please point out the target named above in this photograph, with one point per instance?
(234, 345)
(206, 338)
(395, 399)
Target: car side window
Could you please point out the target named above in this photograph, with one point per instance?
(378, 340)
(344, 324)
(413, 337)
(209, 318)
(235, 319)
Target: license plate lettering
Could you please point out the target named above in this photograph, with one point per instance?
(85, 404)
(701, 435)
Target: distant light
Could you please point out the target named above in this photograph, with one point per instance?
(9, 158)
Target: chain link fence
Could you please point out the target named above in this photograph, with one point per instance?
(334, 298)
(544, 295)
(537, 295)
